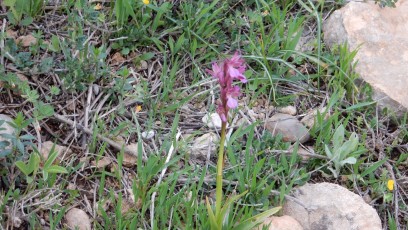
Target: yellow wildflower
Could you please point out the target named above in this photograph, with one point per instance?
(98, 6)
(265, 13)
(146, 2)
(390, 185)
(138, 108)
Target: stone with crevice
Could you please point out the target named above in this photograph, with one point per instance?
(381, 37)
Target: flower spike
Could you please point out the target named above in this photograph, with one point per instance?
(226, 71)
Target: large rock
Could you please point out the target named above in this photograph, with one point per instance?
(381, 37)
(288, 126)
(330, 206)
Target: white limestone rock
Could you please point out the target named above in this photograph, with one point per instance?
(330, 206)
(381, 37)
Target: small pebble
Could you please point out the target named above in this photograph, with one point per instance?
(291, 110)
(148, 135)
(212, 121)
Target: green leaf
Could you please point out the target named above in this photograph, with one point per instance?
(13, 16)
(23, 168)
(373, 167)
(146, 56)
(360, 105)
(57, 169)
(334, 172)
(350, 160)
(227, 205)
(20, 146)
(328, 152)
(34, 162)
(129, 8)
(45, 175)
(338, 137)
(305, 6)
(5, 153)
(3, 144)
(9, 2)
(19, 119)
(29, 179)
(43, 110)
(119, 12)
(178, 104)
(392, 223)
(125, 51)
(27, 21)
(46, 65)
(213, 221)
(55, 44)
(51, 157)
(349, 146)
(179, 43)
(54, 90)
(251, 222)
(27, 137)
(31, 95)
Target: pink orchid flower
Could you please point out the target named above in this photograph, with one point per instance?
(226, 71)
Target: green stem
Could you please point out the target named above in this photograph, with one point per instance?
(220, 164)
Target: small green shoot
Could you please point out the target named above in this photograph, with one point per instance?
(341, 151)
(33, 166)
